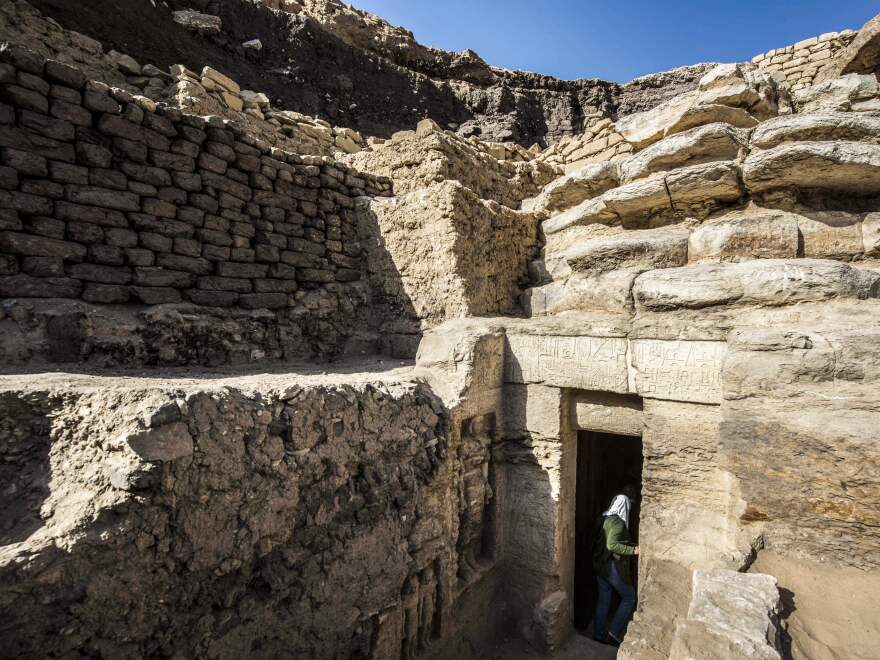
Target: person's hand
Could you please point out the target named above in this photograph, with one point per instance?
(636, 551)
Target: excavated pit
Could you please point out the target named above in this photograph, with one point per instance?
(272, 388)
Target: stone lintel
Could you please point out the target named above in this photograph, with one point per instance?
(660, 369)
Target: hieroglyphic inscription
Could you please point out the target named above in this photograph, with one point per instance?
(592, 363)
(678, 370)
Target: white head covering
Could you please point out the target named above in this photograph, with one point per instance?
(620, 506)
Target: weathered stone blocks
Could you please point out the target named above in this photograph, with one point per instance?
(837, 166)
(767, 282)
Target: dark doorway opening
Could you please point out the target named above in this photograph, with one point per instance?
(605, 464)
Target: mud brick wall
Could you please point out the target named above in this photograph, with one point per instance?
(799, 64)
(112, 199)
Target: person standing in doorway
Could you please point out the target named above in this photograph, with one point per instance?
(611, 552)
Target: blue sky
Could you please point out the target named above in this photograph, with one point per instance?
(617, 39)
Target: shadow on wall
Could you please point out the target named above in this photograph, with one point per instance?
(391, 313)
(25, 428)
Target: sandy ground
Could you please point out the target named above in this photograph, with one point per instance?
(259, 378)
(832, 613)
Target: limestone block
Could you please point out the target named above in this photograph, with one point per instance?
(532, 411)
(740, 85)
(867, 105)
(201, 23)
(811, 384)
(679, 114)
(608, 413)
(677, 370)
(254, 98)
(464, 356)
(415, 241)
(575, 187)
(125, 63)
(763, 282)
(683, 187)
(871, 234)
(609, 292)
(731, 615)
(664, 597)
(840, 166)
(823, 126)
(233, 101)
(419, 160)
(348, 145)
(740, 236)
(837, 94)
(697, 145)
(588, 212)
(644, 128)
(645, 249)
(690, 508)
(833, 603)
(551, 263)
(590, 363)
(225, 82)
(830, 234)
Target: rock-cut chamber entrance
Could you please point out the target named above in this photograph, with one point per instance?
(606, 464)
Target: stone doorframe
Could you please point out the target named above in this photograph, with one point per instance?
(556, 385)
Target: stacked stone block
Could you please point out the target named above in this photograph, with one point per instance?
(110, 198)
(599, 142)
(214, 92)
(798, 65)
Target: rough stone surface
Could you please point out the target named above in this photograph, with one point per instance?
(759, 282)
(731, 615)
(431, 234)
(741, 236)
(703, 144)
(734, 94)
(838, 166)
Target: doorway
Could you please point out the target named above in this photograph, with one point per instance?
(606, 462)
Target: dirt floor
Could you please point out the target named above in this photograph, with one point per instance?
(577, 648)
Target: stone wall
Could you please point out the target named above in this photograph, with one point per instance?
(318, 520)
(110, 199)
(799, 64)
(599, 142)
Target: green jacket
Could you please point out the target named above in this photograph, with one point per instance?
(611, 543)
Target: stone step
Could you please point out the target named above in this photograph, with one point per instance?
(695, 188)
(591, 211)
(762, 282)
(746, 235)
(824, 126)
(736, 94)
(717, 141)
(684, 187)
(664, 247)
(605, 292)
(851, 167)
(575, 187)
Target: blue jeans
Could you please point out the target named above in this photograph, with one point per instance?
(603, 603)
